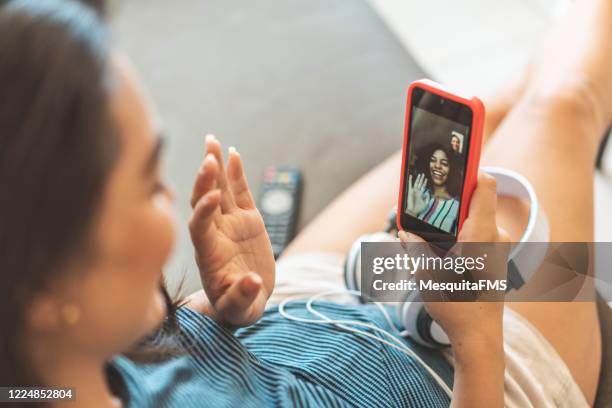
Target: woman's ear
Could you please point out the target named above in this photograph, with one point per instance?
(44, 313)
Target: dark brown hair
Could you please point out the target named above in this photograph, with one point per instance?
(57, 147)
(453, 182)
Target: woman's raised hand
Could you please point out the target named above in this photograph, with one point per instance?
(417, 200)
(232, 248)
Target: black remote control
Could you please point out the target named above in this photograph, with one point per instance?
(279, 201)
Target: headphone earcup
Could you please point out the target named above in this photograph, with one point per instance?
(420, 326)
(412, 314)
(352, 263)
(352, 267)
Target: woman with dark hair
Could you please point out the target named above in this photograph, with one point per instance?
(86, 227)
(433, 196)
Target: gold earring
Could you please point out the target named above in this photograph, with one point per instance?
(71, 314)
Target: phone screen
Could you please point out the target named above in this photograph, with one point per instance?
(436, 161)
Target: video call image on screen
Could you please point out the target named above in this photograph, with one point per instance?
(436, 166)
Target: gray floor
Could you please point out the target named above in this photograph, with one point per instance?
(318, 84)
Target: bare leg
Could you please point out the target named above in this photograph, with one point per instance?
(561, 117)
(500, 102)
(559, 163)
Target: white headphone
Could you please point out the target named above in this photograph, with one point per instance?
(523, 260)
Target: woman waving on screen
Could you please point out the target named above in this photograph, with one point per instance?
(431, 196)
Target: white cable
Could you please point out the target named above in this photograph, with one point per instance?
(354, 293)
(399, 345)
(402, 347)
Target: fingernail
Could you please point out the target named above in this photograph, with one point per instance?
(207, 197)
(252, 283)
(405, 240)
(232, 150)
(256, 279)
(210, 137)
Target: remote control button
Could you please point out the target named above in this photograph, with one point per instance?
(276, 201)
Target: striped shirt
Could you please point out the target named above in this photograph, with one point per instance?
(441, 213)
(277, 362)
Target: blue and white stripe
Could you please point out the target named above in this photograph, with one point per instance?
(277, 362)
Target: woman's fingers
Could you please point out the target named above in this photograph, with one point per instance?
(503, 235)
(237, 180)
(481, 223)
(421, 181)
(206, 179)
(484, 200)
(239, 304)
(214, 147)
(409, 238)
(201, 226)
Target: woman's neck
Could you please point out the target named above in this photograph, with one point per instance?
(441, 192)
(90, 386)
(84, 374)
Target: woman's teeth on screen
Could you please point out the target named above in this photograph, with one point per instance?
(437, 175)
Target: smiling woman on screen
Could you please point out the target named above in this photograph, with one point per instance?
(432, 196)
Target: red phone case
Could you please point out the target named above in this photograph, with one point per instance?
(473, 155)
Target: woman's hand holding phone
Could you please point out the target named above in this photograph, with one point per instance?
(475, 329)
(462, 320)
(232, 248)
(417, 197)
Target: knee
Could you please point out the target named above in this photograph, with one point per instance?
(577, 98)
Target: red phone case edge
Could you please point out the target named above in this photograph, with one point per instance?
(473, 159)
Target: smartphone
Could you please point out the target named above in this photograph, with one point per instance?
(441, 153)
